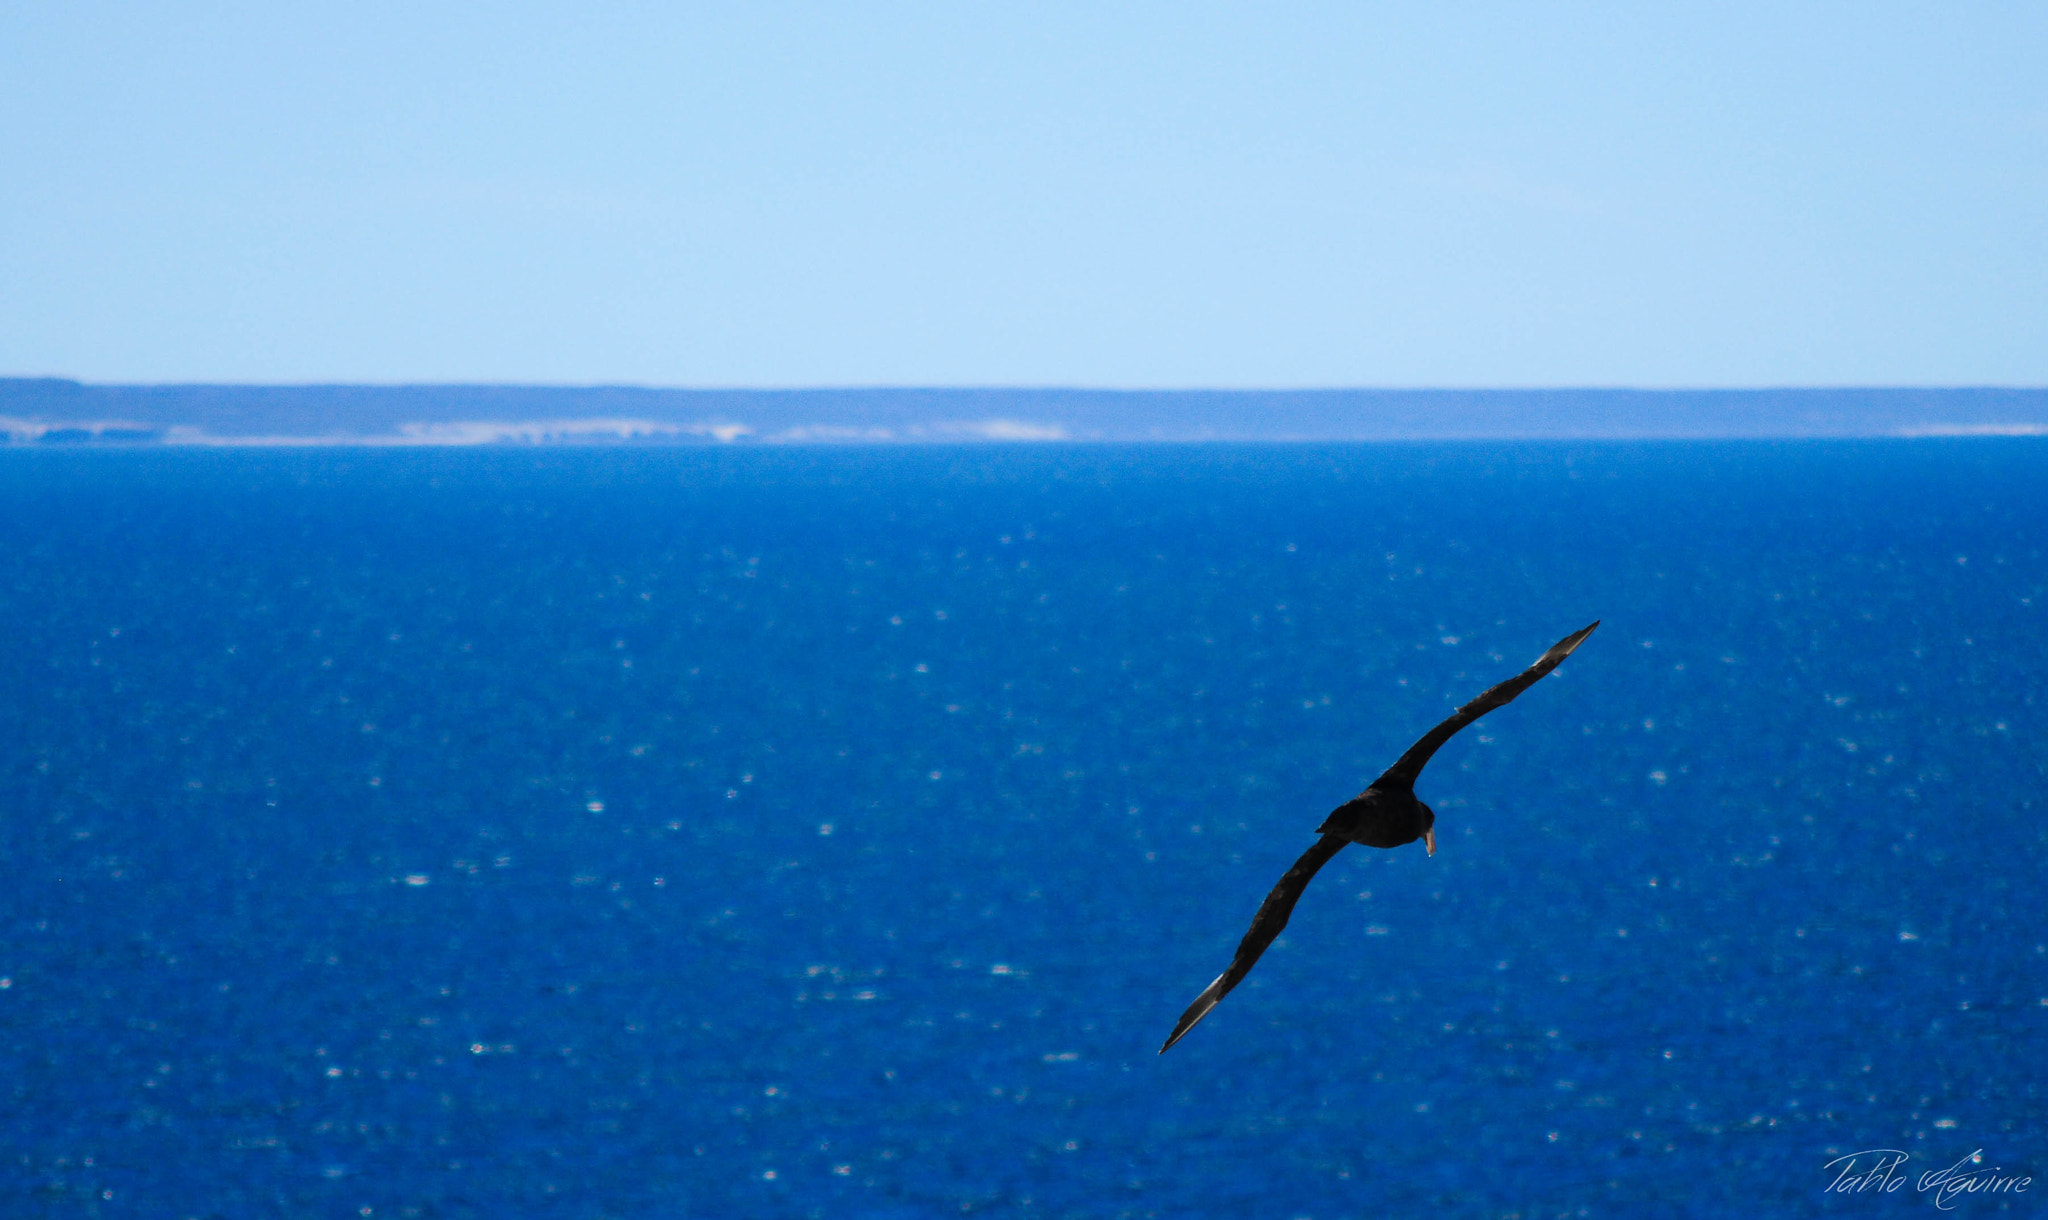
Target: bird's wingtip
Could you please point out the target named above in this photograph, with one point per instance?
(1193, 1016)
(1179, 1032)
(1566, 646)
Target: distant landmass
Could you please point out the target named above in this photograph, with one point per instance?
(44, 411)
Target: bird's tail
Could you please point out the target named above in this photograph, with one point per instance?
(1197, 1010)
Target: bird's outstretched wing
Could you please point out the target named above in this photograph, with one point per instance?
(1266, 925)
(1405, 769)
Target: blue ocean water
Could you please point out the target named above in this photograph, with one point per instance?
(687, 832)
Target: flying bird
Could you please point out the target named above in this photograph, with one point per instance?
(1386, 814)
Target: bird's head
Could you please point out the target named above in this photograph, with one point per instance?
(1428, 828)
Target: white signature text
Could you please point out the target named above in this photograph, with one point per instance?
(1882, 1170)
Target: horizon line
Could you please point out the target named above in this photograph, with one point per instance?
(62, 411)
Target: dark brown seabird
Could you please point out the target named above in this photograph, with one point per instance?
(1386, 814)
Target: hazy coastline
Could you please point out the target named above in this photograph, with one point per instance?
(43, 411)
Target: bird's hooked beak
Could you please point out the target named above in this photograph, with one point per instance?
(1429, 840)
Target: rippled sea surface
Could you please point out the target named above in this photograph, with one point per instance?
(838, 833)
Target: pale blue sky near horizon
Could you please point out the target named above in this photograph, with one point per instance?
(1115, 195)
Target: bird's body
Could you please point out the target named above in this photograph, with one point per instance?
(1382, 817)
(1387, 814)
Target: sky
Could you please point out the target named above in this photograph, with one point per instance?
(1098, 194)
